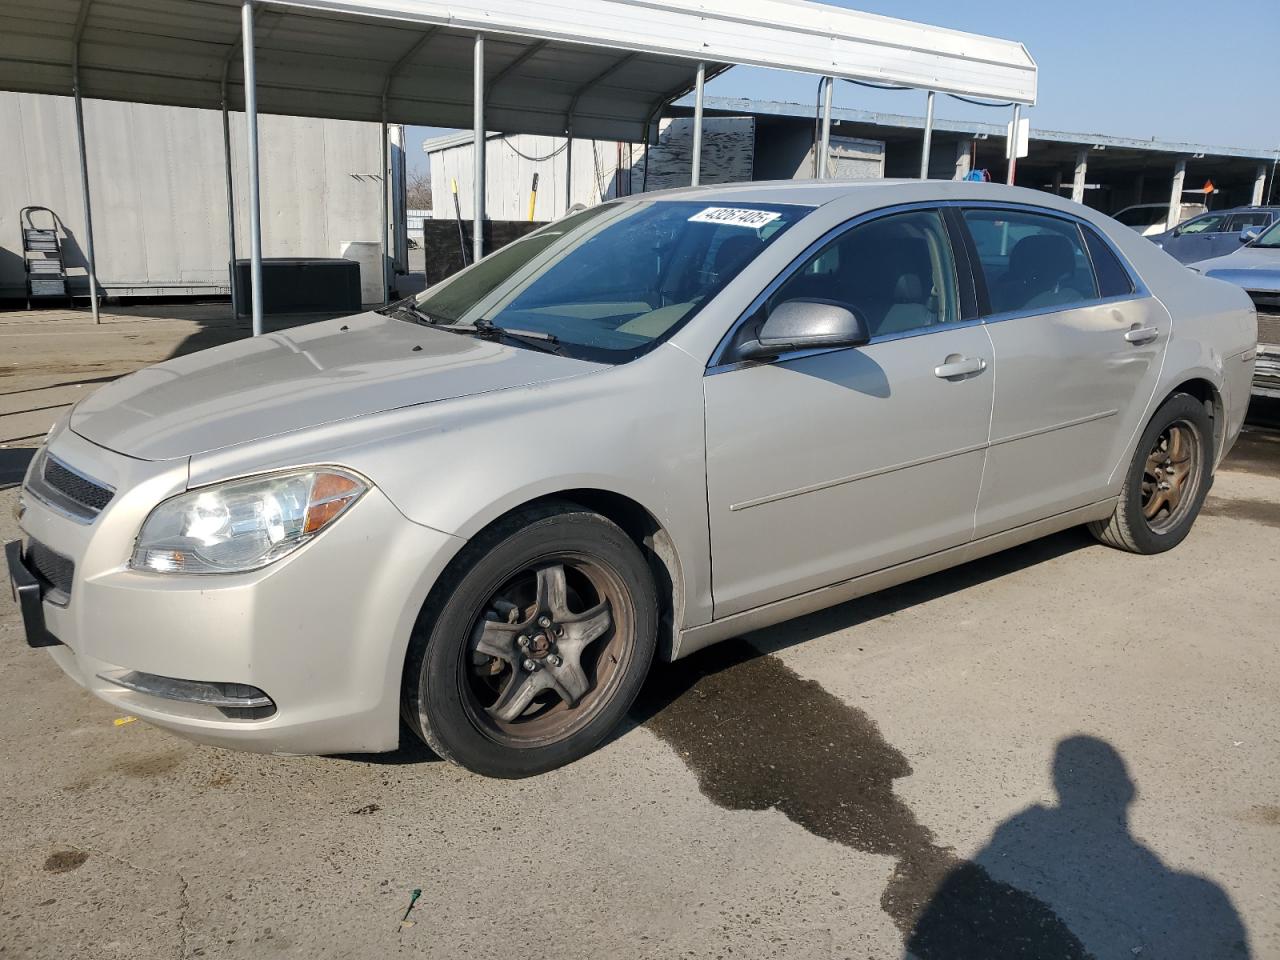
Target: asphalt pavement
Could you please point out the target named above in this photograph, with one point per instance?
(1060, 751)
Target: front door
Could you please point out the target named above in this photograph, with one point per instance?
(1078, 347)
(1198, 239)
(824, 466)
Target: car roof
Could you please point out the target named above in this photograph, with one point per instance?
(1248, 208)
(867, 193)
(1163, 205)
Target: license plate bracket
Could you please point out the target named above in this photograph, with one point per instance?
(28, 591)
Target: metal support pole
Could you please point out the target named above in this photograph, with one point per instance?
(231, 205)
(824, 141)
(386, 216)
(1013, 143)
(92, 262)
(699, 91)
(568, 166)
(1259, 184)
(1175, 194)
(477, 123)
(251, 139)
(928, 137)
(1078, 179)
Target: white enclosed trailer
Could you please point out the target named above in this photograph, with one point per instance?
(158, 185)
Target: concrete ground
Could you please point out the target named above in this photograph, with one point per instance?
(1061, 751)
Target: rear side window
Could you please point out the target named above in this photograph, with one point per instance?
(1031, 261)
(1113, 278)
(1258, 218)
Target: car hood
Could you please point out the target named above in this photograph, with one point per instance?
(1256, 268)
(304, 377)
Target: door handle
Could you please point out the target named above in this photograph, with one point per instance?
(957, 366)
(1141, 334)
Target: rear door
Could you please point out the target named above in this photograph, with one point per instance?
(1238, 222)
(1077, 344)
(824, 465)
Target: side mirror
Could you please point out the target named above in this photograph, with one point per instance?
(1250, 234)
(806, 325)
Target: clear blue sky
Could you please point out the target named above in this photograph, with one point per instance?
(1172, 69)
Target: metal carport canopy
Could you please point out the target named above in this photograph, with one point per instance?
(609, 63)
(584, 68)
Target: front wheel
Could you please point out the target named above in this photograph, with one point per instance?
(1167, 480)
(535, 647)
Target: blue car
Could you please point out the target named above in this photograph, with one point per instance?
(1256, 267)
(1215, 234)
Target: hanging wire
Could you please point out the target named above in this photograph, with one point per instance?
(556, 152)
(877, 86)
(981, 103)
(953, 96)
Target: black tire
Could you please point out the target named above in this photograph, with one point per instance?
(444, 690)
(1128, 528)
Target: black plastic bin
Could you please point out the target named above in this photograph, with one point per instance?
(302, 285)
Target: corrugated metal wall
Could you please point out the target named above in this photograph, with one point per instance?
(157, 184)
(602, 169)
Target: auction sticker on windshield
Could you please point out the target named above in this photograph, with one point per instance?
(735, 216)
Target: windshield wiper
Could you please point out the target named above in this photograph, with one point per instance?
(406, 310)
(488, 330)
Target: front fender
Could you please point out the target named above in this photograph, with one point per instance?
(635, 430)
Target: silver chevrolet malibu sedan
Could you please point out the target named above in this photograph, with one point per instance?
(642, 429)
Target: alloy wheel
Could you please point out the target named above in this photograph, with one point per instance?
(1171, 476)
(547, 650)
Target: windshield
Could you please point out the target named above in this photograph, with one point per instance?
(612, 282)
(1142, 216)
(1269, 239)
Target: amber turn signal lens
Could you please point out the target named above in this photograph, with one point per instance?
(330, 495)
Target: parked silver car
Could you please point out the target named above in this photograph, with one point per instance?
(1255, 268)
(642, 429)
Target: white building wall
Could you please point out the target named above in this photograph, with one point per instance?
(511, 161)
(157, 186)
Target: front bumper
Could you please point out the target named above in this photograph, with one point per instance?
(1266, 371)
(322, 632)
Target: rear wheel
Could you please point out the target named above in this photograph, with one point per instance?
(1166, 483)
(537, 645)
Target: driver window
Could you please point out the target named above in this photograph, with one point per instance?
(896, 271)
(1210, 224)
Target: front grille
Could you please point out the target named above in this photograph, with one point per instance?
(51, 567)
(76, 487)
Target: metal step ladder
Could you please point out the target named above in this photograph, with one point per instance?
(42, 256)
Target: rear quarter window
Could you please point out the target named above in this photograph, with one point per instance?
(1113, 279)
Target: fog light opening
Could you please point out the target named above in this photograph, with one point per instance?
(236, 701)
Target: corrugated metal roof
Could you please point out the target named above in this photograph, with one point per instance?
(609, 62)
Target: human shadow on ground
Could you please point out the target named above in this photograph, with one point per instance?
(1055, 883)
(1114, 894)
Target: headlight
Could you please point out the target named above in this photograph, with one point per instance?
(243, 524)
